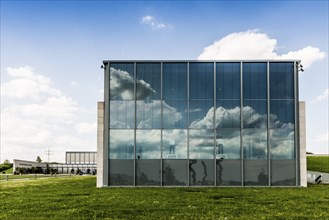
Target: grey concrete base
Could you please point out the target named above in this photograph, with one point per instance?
(302, 144)
(312, 175)
(100, 143)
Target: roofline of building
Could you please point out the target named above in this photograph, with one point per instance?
(204, 61)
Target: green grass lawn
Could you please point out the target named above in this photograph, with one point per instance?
(77, 198)
(318, 163)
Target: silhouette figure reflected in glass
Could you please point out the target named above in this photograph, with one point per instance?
(172, 147)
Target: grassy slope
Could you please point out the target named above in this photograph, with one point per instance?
(320, 164)
(77, 198)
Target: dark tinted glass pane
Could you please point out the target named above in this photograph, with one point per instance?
(254, 80)
(148, 114)
(201, 80)
(174, 144)
(228, 144)
(254, 114)
(282, 143)
(201, 144)
(122, 114)
(174, 81)
(148, 82)
(282, 114)
(148, 172)
(254, 143)
(228, 114)
(283, 172)
(174, 172)
(228, 172)
(121, 172)
(148, 144)
(174, 114)
(122, 81)
(201, 114)
(121, 144)
(255, 173)
(228, 80)
(281, 80)
(201, 172)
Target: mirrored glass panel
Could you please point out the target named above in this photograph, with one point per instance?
(201, 172)
(283, 172)
(122, 114)
(148, 144)
(174, 172)
(254, 81)
(254, 144)
(121, 144)
(228, 114)
(148, 172)
(201, 114)
(228, 172)
(174, 79)
(174, 144)
(201, 79)
(228, 80)
(121, 172)
(148, 114)
(122, 81)
(255, 172)
(174, 114)
(282, 114)
(254, 114)
(201, 144)
(282, 80)
(282, 143)
(148, 82)
(228, 144)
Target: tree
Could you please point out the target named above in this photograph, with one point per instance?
(6, 161)
(38, 159)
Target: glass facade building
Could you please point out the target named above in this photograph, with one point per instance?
(201, 123)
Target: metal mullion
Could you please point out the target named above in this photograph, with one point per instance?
(296, 111)
(214, 122)
(188, 122)
(161, 123)
(241, 124)
(268, 125)
(135, 121)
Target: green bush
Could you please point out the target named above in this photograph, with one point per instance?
(5, 166)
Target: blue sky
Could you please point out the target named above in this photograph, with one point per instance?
(51, 52)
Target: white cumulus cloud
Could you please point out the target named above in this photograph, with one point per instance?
(323, 96)
(254, 45)
(154, 23)
(36, 115)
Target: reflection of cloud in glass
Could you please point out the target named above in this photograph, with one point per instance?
(228, 143)
(122, 86)
(282, 143)
(174, 138)
(148, 144)
(201, 144)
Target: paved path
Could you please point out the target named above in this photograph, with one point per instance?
(312, 175)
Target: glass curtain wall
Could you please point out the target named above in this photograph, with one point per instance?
(254, 133)
(201, 123)
(227, 124)
(282, 124)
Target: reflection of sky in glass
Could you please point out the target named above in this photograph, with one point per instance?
(121, 144)
(174, 144)
(254, 143)
(282, 144)
(174, 81)
(148, 144)
(201, 144)
(228, 80)
(201, 114)
(148, 114)
(282, 80)
(201, 80)
(228, 144)
(148, 74)
(174, 114)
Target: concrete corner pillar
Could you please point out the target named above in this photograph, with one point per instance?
(302, 144)
(100, 145)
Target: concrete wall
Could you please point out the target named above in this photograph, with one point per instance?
(302, 144)
(27, 164)
(101, 158)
